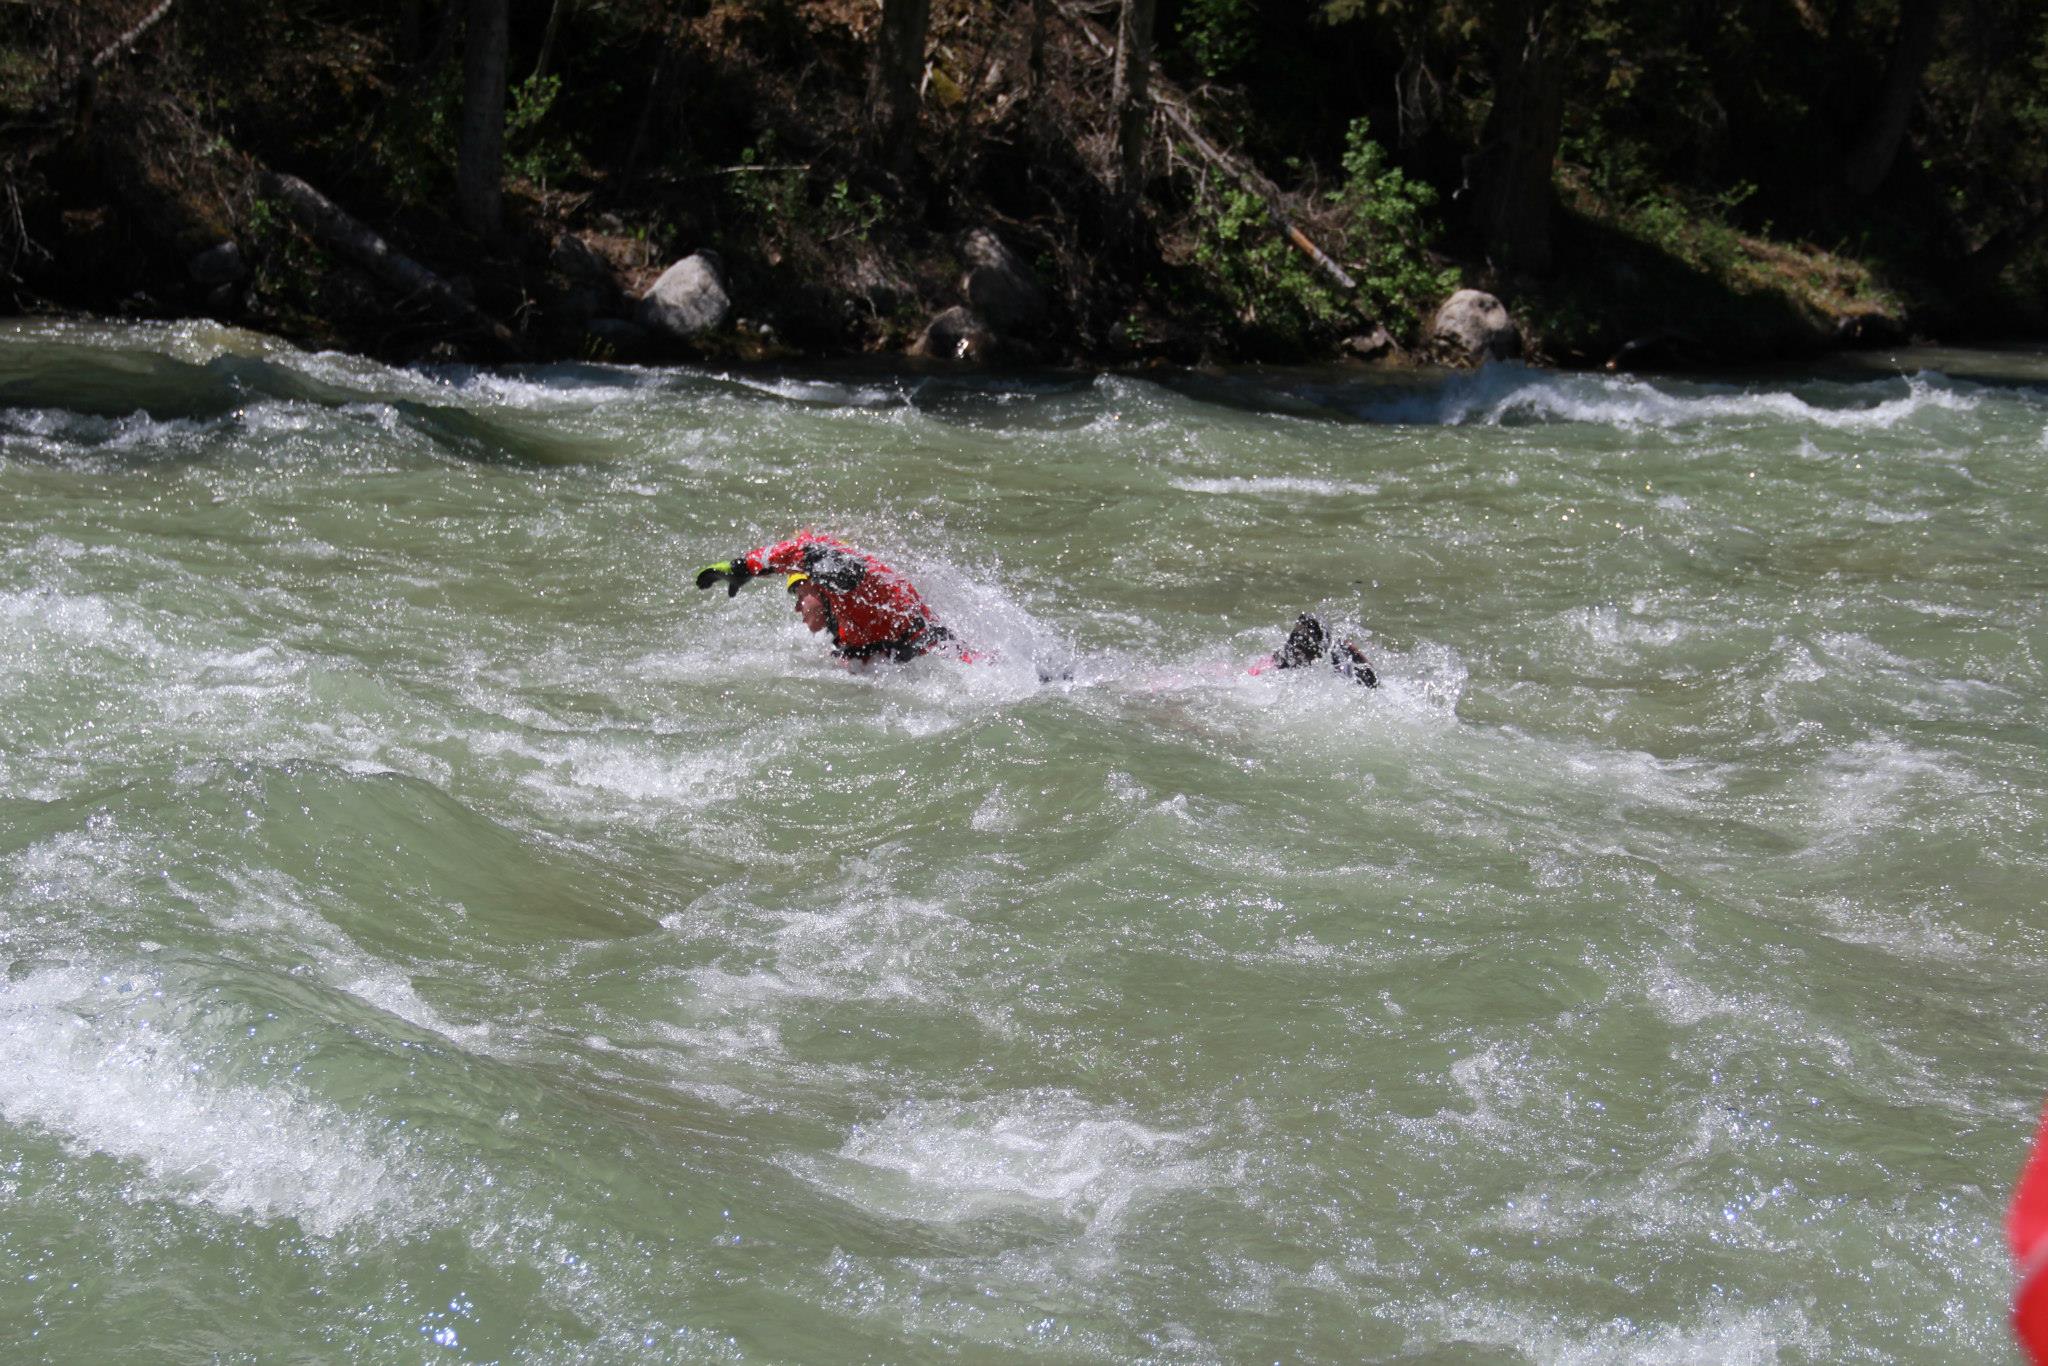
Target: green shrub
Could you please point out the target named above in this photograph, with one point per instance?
(1390, 227)
(1270, 285)
(528, 154)
(1219, 35)
(1385, 224)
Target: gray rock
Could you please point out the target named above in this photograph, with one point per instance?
(873, 286)
(956, 334)
(219, 264)
(579, 261)
(1474, 326)
(999, 286)
(689, 299)
(1370, 344)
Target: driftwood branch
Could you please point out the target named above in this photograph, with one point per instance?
(332, 227)
(131, 37)
(1183, 118)
(84, 87)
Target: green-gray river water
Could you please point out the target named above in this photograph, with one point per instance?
(429, 927)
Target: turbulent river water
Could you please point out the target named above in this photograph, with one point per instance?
(430, 927)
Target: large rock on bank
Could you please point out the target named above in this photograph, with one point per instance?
(1000, 287)
(1005, 308)
(689, 300)
(958, 334)
(1473, 326)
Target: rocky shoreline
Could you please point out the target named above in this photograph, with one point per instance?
(590, 301)
(281, 184)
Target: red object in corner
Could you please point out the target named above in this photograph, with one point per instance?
(2026, 1224)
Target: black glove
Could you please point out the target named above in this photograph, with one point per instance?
(734, 572)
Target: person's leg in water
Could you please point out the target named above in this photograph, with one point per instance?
(1308, 643)
(1349, 660)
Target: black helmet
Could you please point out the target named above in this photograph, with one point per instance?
(831, 567)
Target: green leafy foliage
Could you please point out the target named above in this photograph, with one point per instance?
(1269, 285)
(768, 194)
(849, 214)
(1220, 36)
(1390, 227)
(530, 152)
(413, 140)
(1385, 223)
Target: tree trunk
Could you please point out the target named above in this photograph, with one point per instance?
(1174, 106)
(480, 159)
(1036, 63)
(556, 12)
(335, 229)
(1870, 160)
(643, 126)
(1511, 171)
(893, 79)
(409, 32)
(1130, 96)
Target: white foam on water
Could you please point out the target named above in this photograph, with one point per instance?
(556, 394)
(822, 392)
(1497, 1083)
(63, 887)
(734, 1033)
(876, 947)
(1871, 788)
(1684, 999)
(995, 814)
(633, 774)
(1921, 931)
(615, 775)
(1629, 632)
(1880, 515)
(57, 887)
(1680, 785)
(39, 619)
(94, 1071)
(1726, 1335)
(1277, 485)
(1418, 692)
(61, 436)
(1049, 1153)
(1509, 391)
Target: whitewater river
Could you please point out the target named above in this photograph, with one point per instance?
(429, 927)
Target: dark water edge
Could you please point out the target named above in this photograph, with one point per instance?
(1993, 360)
(69, 367)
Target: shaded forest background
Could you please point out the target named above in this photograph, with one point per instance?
(1674, 183)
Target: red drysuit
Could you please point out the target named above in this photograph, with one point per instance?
(2027, 1225)
(873, 610)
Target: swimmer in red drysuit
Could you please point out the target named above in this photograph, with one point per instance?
(870, 610)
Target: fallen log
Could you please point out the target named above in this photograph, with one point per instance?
(332, 227)
(85, 86)
(131, 37)
(1183, 118)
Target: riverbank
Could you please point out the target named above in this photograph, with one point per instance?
(299, 184)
